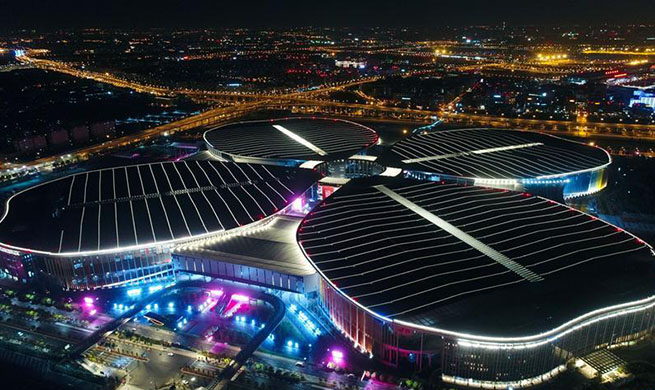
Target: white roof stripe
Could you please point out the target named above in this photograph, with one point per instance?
(478, 151)
(300, 140)
(462, 236)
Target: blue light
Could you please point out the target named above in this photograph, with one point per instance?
(134, 292)
(289, 343)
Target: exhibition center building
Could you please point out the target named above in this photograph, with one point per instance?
(450, 250)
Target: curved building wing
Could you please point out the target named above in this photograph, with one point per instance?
(487, 277)
(511, 158)
(289, 141)
(441, 254)
(496, 154)
(131, 207)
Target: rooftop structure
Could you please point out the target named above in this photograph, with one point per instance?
(510, 158)
(289, 141)
(471, 260)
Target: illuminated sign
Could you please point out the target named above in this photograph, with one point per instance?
(326, 191)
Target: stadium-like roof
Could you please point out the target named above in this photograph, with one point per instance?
(471, 259)
(137, 206)
(291, 139)
(494, 154)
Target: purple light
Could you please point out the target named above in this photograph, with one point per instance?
(216, 293)
(88, 301)
(337, 355)
(93, 312)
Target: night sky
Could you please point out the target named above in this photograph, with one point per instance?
(43, 14)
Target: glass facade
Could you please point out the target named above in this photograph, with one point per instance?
(585, 183)
(108, 270)
(486, 364)
(238, 272)
(16, 265)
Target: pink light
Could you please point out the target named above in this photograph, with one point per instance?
(208, 304)
(93, 312)
(231, 309)
(337, 355)
(88, 301)
(240, 298)
(216, 293)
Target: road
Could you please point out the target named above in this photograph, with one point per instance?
(213, 116)
(246, 352)
(622, 131)
(222, 115)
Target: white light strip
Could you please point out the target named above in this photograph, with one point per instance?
(310, 164)
(479, 151)
(463, 236)
(300, 140)
(330, 180)
(363, 157)
(518, 384)
(391, 172)
(128, 281)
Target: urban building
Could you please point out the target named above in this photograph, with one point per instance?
(497, 288)
(512, 159)
(118, 226)
(289, 141)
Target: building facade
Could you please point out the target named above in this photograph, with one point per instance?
(486, 362)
